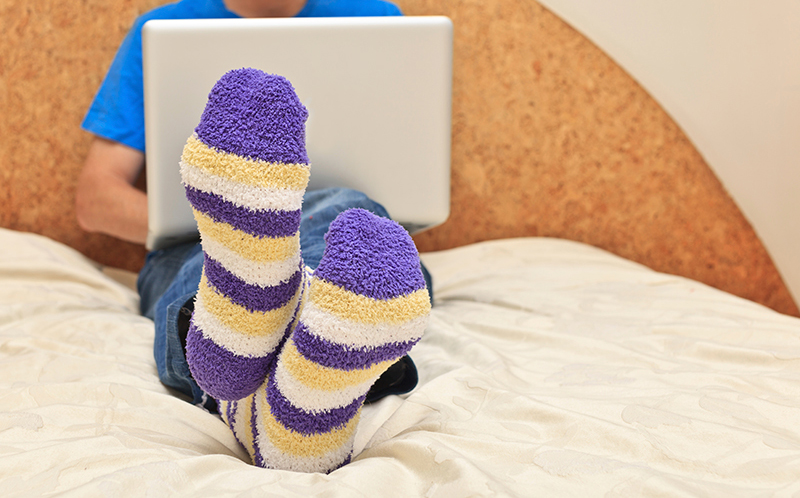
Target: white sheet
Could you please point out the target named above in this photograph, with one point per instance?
(549, 369)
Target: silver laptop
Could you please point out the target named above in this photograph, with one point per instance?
(378, 92)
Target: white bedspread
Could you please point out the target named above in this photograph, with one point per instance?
(549, 369)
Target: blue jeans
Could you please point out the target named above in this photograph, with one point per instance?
(170, 278)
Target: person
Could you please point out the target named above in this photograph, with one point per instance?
(107, 200)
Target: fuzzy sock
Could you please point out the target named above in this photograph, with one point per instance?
(245, 171)
(367, 305)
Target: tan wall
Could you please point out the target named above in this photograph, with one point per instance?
(550, 138)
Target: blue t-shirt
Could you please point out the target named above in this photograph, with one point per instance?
(117, 112)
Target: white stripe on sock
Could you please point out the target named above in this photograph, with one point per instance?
(231, 340)
(338, 330)
(267, 274)
(248, 196)
(316, 400)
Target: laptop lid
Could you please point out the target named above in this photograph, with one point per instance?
(378, 92)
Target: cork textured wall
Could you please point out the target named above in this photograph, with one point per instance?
(550, 138)
(53, 56)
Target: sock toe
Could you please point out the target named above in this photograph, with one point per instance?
(256, 115)
(370, 256)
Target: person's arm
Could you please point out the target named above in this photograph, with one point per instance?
(106, 200)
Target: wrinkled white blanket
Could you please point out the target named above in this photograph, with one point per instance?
(549, 369)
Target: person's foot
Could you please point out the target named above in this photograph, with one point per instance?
(367, 305)
(245, 172)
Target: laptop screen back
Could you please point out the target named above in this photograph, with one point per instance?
(378, 92)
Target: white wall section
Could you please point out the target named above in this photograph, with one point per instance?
(728, 72)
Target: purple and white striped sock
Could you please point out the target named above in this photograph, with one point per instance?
(245, 171)
(367, 305)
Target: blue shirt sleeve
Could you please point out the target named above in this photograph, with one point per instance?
(117, 112)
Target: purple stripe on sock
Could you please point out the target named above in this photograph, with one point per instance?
(266, 223)
(230, 414)
(341, 357)
(371, 256)
(221, 373)
(257, 115)
(346, 461)
(232, 408)
(231, 411)
(251, 297)
(258, 460)
(306, 423)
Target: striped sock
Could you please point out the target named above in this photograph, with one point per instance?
(245, 171)
(367, 305)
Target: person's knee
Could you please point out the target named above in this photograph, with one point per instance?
(349, 198)
(347, 195)
(334, 196)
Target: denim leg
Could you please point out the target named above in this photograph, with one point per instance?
(158, 274)
(169, 278)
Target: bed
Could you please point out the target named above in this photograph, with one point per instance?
(549, 368)
(586, 338)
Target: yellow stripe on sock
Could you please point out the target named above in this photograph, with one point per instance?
(296, 444)
(352, 306)
(315, 376)
(258, 249)
(245, 170)
(240, 319)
